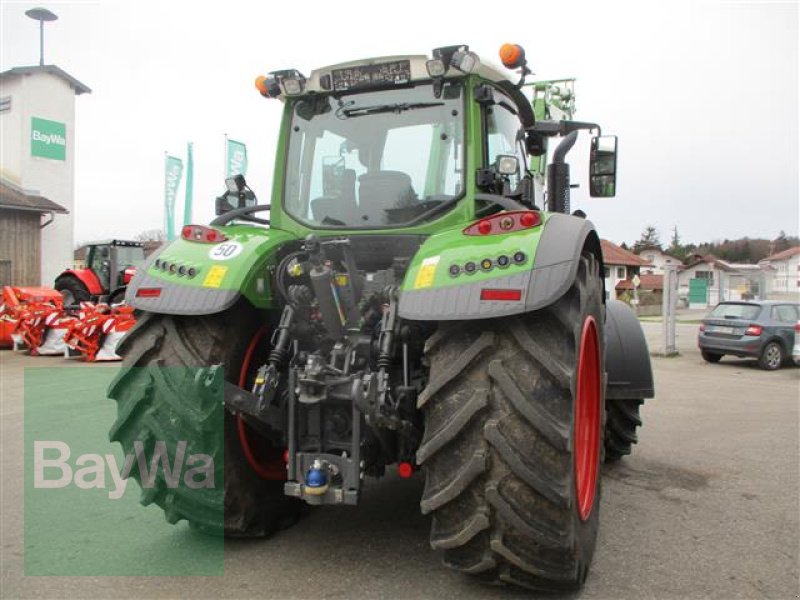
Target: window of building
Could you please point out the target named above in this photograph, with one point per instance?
(606, 272)
(621, 272)
(5, 104)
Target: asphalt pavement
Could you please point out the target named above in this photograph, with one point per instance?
(706, 507)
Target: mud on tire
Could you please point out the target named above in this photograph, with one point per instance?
(499, 443)
(162, 402)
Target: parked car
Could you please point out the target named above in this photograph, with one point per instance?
(761, 329)
(796, 350)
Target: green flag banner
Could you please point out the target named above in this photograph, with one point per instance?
(236, 159)
(187, 206)
(172, 180)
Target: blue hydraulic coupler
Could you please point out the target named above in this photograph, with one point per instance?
(316, 481)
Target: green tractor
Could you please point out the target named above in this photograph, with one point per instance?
(418, 297)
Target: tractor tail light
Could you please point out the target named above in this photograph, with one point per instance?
(501, 295)
(754, 330)
(203, 234)
(148, 292)
(505, 222)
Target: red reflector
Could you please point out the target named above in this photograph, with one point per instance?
(203, 234)
(527, 219)
(503, 295)
(702, 327)
(286, 456)
(148, 292)
(754, 330)
(505, 222)
(405, 470)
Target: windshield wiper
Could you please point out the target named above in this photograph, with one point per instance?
(361, 111)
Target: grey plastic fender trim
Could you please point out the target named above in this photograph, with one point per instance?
(630, 375)
(556, 262)
(178, 299)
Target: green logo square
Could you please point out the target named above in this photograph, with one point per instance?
(48, 139)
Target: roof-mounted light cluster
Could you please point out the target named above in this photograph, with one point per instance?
(459, 57)
(289, 82)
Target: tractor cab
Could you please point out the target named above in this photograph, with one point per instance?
(110, 265)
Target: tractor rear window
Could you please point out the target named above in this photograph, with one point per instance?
(375, 159)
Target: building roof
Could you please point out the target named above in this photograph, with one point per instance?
(783, 255)
(614, 255)
(76, 85)
(709, 259)
(13, 197)
(647, 282)
(659, 251)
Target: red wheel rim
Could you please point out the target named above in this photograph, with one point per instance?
(587, 419)
(275, 469)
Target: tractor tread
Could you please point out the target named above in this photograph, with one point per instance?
(451, 428)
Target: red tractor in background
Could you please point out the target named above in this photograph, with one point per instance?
(110, 265)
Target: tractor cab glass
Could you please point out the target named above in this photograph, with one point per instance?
(603, 167)
(99, 261)
(375, 159)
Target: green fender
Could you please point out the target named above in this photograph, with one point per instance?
(221, 273)
(433, 291)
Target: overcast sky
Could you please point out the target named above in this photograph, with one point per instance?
(704, 96)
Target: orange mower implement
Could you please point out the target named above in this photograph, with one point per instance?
(40, 325)
(97, 330)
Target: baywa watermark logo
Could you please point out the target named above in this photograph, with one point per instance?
(53, 468)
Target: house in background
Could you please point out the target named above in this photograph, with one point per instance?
(620, 265)
(658, 259)
(650, 292)
(782, 274)
(706, 281)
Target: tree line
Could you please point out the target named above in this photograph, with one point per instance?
(741, 250)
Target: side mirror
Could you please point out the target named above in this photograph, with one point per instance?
(237, 195)
(603, 167)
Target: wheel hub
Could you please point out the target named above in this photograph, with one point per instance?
(587, 419)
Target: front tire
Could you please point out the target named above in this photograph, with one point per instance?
(158, 398)
(513, 440)
(622, 420)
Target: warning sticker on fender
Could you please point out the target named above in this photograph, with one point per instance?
(215, 276)
(426, 272)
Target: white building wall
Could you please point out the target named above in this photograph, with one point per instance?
(786, 275)
(616, 273)
(658, 261)
(47, 97)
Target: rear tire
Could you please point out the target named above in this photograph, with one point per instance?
(622, 419)
(506, 475)
(72, 290)
(711, 357)
(158, 403)
(772, 357)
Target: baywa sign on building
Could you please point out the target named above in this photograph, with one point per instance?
(48, 139)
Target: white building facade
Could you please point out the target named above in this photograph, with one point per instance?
(783, 270)
(37, 147)
(658, 260)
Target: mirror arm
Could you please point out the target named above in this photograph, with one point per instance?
(552, 128)
(236, 213)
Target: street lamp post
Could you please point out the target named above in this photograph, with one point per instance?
(41, 15)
